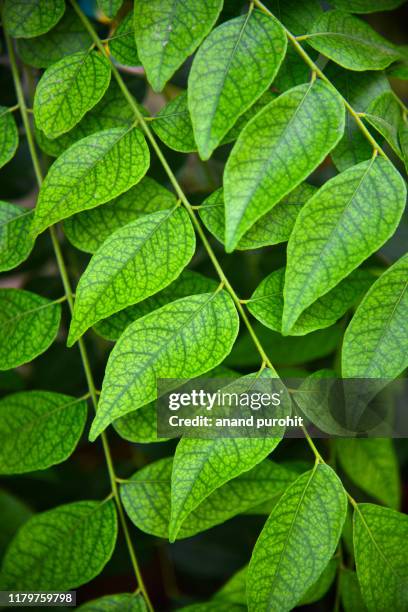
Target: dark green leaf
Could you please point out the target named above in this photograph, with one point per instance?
(13, 514)
(297, 16)
(350, 592)
(385, 114)
(367, 6)
(322, 585)
(28, 18)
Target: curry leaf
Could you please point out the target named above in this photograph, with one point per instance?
(144, 256)
(260, 172)
(245, 54)
(16, 241)
(29, 18)
(8, 136)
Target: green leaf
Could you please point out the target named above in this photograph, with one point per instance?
(319, 589)
(201, 328)
(366, 6)
(273, 228)
(38, 429)
(381, 557)
(111, 112)
(121, 602)
(134, 262)
(347, 220)
(372, 465)
(16, 241)
(244, 54)
(167, 32)
(146, 497)
(266, 303)
(110, 7)
(297, 541)
(68, 36)
(350, 593)
(385, 114)
(69, 89)
(403, 140)
(123, 45)
(351, 42)
(29, 18)
(260, 170)
(14, 513)
(294, 70)
(91, 172)
(89, 229)
(62, 548)
(375, 341)
(234, 590)
(188, 283)
(297, 17)
(28, 326)
(8, 136)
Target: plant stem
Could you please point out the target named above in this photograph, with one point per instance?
(69, 297)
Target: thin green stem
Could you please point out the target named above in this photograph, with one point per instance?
(69, 297)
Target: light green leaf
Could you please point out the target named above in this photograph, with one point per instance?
(297, 541)
(297, 16)
(347, 220)
(146, 497)
(200, 328)
(16, 241)
(266, 303)
(134, 262)
(8, 136)
(372, 465)
(244, 54)
(28, 326)
(273, 228)
(376, 339)
(366, 6)
(111, 112)
(69, 89)
(110, 7)
(322, 585)
(123, 45)
(62, 548)
(168, 31)
(385, 114)
(89, 229)
(381, 557)
(121, 602)
(91, 172)
(188, 283)
(38, 429)
(29, 18)
(351, 42)
(68, 36)
(260, 170)
(350, 593)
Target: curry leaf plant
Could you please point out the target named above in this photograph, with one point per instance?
(201, 192)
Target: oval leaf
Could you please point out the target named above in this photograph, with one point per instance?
(8, 136)
(202, 328)
(29, 18)
(297, 542)
(134, 262)
(260, 170)
(347, 220)
(244, 54)
(38, 429)
(16, 240)
(91, 172)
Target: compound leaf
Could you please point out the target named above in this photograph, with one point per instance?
(375, 341)
(29, 18)
(28, 325)
(91, 172)
(351, 42)
(180, 340)
(110, 7)
(346, 221)
(381, 559)
(120, 602)
(134, 262)
(123, 45)
(266, 303)
(62, 548)
(8, 136)
(146, 497)
(244, 54)
(16, 241)
(261, 170)
(38, 429)
(372, 465)
(297, 541)
(68, 89)
(89, 229)
(168, 31)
